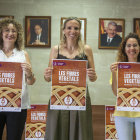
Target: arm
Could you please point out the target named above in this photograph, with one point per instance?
(113, 69)
(30, 78)
(48, 71)
(91, 69)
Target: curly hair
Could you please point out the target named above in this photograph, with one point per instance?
(79, 41)
(20, 40)
(121, 55)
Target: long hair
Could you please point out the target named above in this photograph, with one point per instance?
(4, 23)
(121, 55)
(79, 41)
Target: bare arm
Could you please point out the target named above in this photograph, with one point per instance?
(113, 69)
(30, 78)
(91, 68)
(49, 69)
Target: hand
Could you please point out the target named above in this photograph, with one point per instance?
(113, 67)
(91, 74)
(48, 72)
(27, 68)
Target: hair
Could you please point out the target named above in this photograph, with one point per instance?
(79, 41)
(121, 55)
(20, 40)
(112, 23)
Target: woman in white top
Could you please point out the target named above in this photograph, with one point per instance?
(11, 43)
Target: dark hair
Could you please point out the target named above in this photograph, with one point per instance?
(4, 23)
(121, 55)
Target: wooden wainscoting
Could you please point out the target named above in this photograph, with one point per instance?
(98, 116)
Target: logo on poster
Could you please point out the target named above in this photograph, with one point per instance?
(116, 135)
(59, 63)
(133, 102)
(3, 102)
(38, 134)
(124, 66)
(68, 100)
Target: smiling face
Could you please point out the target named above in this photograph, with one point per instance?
(9, 34)
(132, 49)
(38, 29)
(111, 30)
(72, 30)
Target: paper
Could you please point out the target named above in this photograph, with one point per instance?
(111, 133)
(10, 86)
(128, 92)
(68, 85)
(36, 122)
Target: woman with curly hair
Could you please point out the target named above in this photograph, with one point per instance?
(129, 51)
(11, 44)
(64, 124)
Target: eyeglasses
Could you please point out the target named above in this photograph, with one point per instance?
(8, 31)
(129, 45)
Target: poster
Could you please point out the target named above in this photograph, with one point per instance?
(68, 85)
(110, 132)
(10, 86)
(128, 91)
(36, 122)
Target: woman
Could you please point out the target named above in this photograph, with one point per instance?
(129, 51)
(11, 43)
(70, 125)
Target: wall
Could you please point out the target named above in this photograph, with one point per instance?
(100, 90)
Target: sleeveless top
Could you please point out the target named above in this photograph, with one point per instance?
(19, 56)
(81, 56)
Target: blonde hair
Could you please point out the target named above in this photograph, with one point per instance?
(20, 40)
(79, 41)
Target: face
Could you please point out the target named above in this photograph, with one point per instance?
(72, 30)
(111, 31)
(38, 29)
(132, 49)
(9, 34)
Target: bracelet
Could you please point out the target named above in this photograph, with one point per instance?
(31, 77)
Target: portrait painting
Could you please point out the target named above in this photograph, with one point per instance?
(136, 25)
(83, 28)
(37, 31)
(111, 33)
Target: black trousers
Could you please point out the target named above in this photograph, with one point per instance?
(15, 122)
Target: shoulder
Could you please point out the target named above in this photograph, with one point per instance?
(103, 35)
(117, 36)
(54, 52)
(26, 54)
(54, 49)
(87, 49)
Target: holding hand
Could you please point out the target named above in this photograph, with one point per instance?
(91, 74)
(48, 73)
(27, 68)
(113, 67)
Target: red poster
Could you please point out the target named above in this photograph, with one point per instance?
(111, 133)
(10, 86)
(36, 122)
(68, 85)
(128, 97)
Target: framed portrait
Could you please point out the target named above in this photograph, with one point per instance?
(136, 25)
(83, 28)
(38, 31)
(4, 16)
(111, 33)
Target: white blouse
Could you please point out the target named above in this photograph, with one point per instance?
(19, 56)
